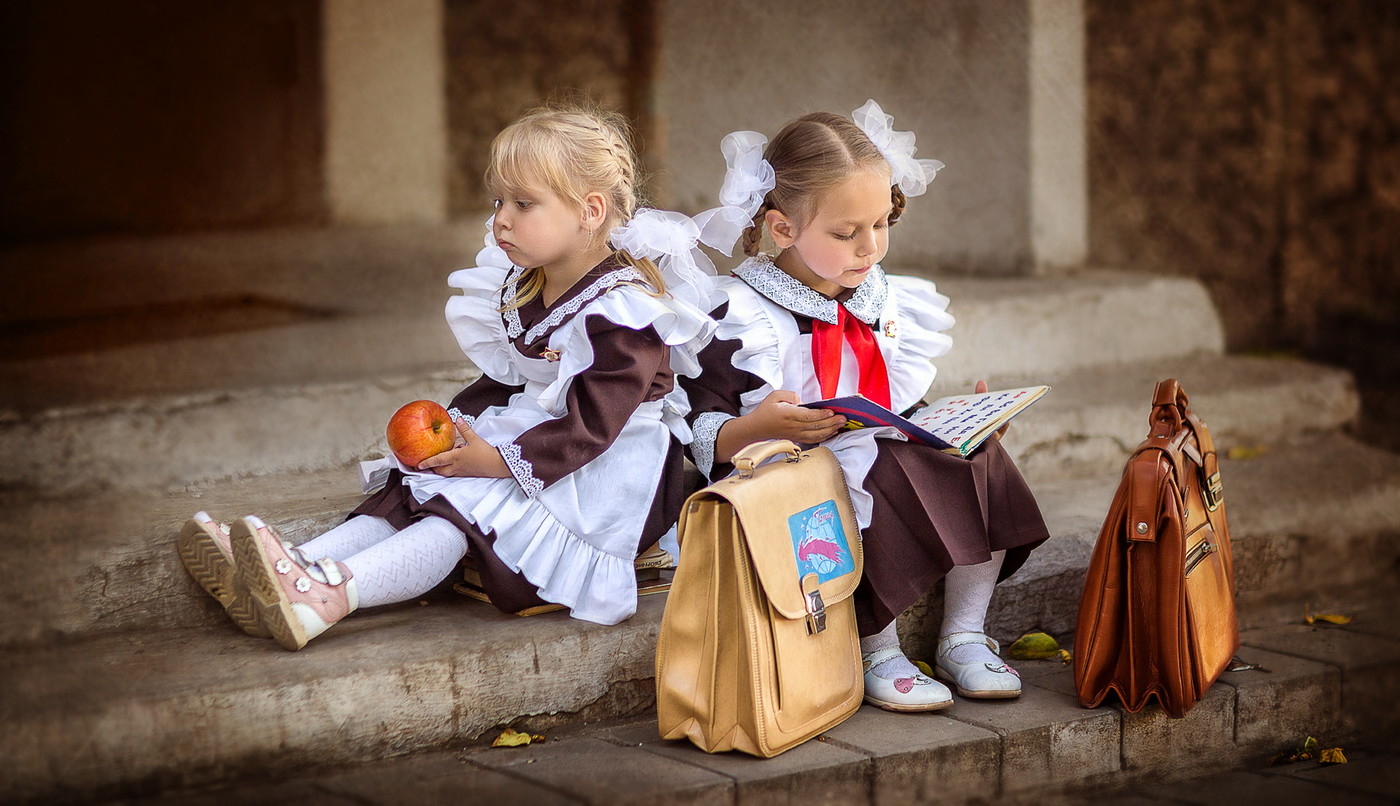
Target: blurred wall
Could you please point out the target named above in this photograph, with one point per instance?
(1256, 145)
(993, 88)
(505, 58)
(158, 115)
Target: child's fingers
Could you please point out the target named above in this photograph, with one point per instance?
(440, 460)
(980, 388)
(464, 430)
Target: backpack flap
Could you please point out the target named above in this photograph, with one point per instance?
(800, 529)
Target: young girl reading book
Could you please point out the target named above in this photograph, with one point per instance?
(821, 319)
(568, 459)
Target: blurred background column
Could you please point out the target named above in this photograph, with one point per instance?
(994, 88)
(386, 120)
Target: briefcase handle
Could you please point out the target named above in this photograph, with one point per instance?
(1169, 408)
(751, 456)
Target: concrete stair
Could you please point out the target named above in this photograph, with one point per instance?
(123, 678)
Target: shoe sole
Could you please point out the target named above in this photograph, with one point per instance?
(206, 563)
(256, 572)
(908, 709)
(975, 695)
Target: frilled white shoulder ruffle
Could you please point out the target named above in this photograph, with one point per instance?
(749, 320)
(475, 319)
(682, 326)
(922, 316)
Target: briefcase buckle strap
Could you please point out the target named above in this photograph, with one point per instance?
(1214, 490)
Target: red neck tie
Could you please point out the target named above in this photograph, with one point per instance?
(874, 380)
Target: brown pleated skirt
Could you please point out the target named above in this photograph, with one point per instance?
(933, 511)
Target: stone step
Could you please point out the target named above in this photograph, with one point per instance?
(172, 705)
(303, 380)
(1039, 748)
(1094, 417)
(120, 572)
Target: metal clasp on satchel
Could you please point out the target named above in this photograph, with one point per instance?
(816, 608)
(816, 613)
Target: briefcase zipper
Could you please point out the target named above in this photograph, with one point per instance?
(1198, 552)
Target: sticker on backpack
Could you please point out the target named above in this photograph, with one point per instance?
(819, 541)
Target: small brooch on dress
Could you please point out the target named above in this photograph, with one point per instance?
(891, 329)
(550, 355)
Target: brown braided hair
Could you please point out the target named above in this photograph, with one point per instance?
(810, 156)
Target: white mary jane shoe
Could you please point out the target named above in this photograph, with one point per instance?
(977, 680)
(903, 694)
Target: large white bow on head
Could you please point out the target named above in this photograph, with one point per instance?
(912, 175)
(746, 182)
(671, 241)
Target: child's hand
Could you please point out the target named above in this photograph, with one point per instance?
(980, 388)
(780, 416)
(777, 417)
(470, 456)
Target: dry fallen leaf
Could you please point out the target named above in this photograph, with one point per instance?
(1326, 618)
(924, 667)
(1035, 646)
(513, 738)
(1332, 755)
(1246, 452)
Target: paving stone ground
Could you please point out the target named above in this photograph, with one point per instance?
(1041, 749)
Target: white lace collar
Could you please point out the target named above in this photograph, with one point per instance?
(557, 315)
(777, 285)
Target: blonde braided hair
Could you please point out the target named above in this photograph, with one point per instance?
(572, 151)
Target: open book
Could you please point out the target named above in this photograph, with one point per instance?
(956, 424)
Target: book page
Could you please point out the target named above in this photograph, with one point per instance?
(959, 418)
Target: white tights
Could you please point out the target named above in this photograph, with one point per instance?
(389, 565)
(967, 591)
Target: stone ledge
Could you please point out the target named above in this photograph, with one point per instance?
(1041, 745)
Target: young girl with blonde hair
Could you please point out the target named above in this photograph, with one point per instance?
(580, 313)
(821, 319)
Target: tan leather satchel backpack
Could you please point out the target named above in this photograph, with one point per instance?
(758, 649)
(1158, 612)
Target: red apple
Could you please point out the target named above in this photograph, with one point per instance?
(418, 430)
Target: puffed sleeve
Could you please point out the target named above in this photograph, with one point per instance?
(714, 397)
(629, 368)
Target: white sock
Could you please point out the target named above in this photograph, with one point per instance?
(897, 666)
(967, 591)
(409, 563)
(347, 539)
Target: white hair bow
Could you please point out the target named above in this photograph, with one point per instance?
(912, 175)
(746, 182)
(670, 240)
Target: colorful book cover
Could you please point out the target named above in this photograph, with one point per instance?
(956, 424)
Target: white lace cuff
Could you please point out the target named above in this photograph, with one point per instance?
(706, 431)
(521, 469)
(455, 415)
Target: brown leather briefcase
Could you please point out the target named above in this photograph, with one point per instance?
(1158, 612)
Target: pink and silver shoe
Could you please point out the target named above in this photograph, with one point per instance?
(296, 600)
(913, 694)
(207, 553)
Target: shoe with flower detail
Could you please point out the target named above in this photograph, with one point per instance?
(206, 550)
(297, 600)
